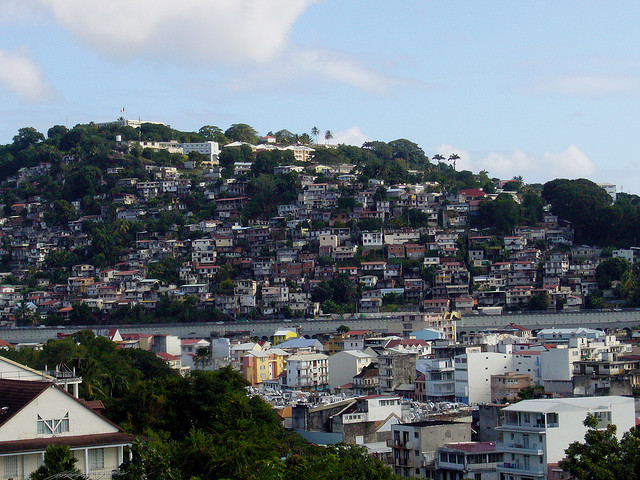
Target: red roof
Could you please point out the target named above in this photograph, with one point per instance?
(167, 356)
(473, 192)
(358, 332)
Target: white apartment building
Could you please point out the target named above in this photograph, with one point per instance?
(473, 375)
(345, 365)
(535, 433)
(307, 371)
(372, 239)
(209, 149)
(440, 382)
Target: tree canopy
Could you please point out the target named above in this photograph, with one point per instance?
(602, 456)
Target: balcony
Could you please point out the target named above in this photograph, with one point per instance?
(532, 449)
(525, 427)
(517, 469)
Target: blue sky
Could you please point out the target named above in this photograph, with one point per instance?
(545, 89)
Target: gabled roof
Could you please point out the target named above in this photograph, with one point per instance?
(167, 356)
(17, 394)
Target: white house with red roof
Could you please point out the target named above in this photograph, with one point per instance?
(191, 345)
(173, 362)
(34, 415)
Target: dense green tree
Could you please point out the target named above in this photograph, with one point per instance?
(503, 214)
(538, 301)
(59, 462)
(532, 208)
(213, 133)
(26, 137)
(62, 213)
(587, 206)
(56, 132)
(410, 152)
(241, 132)
(602, 456)
(610, 270)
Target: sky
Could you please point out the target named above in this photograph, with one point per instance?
(542, 90)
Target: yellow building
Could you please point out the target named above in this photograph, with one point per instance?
(335, 344)
(282, 336)
(260, 366)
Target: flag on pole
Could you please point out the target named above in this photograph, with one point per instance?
(122, 110)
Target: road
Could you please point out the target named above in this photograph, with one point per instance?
(535, 321)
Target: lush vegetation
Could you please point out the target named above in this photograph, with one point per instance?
(202, 426)
(602, 456)
(595, 219)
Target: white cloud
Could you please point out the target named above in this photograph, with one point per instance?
(14, 10)
(351, 136)
(570, 163)
(199, 31)
(20, 76)
(589, 85)
(338, 67)
(204, 33)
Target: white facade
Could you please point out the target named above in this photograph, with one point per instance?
(308, 371)
(473, 375)
(50, 414)
(557, 363)
(439, 378)
(528, 363)
(375, 408)
(372, 239)
(210, 149)
(345, 365)
(537, 432)
(610, 188)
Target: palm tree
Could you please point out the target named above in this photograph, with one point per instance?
(452, 158)
(315, 132)
(328, 135)
(438, 157)
(202, 357)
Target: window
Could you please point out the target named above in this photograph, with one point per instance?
(96, 459)
(51, 426)
(11, 466)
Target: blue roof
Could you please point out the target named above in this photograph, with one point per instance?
(299, 343)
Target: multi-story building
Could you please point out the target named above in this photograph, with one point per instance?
(535, 433)
(508, 385)
(440, 385)
(307, 371)
(395, 369)
(415, 445)
(473, 375)
(258, 367)
(344, 365)
(476, 460)
(209, 149)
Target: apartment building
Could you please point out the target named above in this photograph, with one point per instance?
(535, 433)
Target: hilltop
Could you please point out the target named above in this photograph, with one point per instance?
(131, 222)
